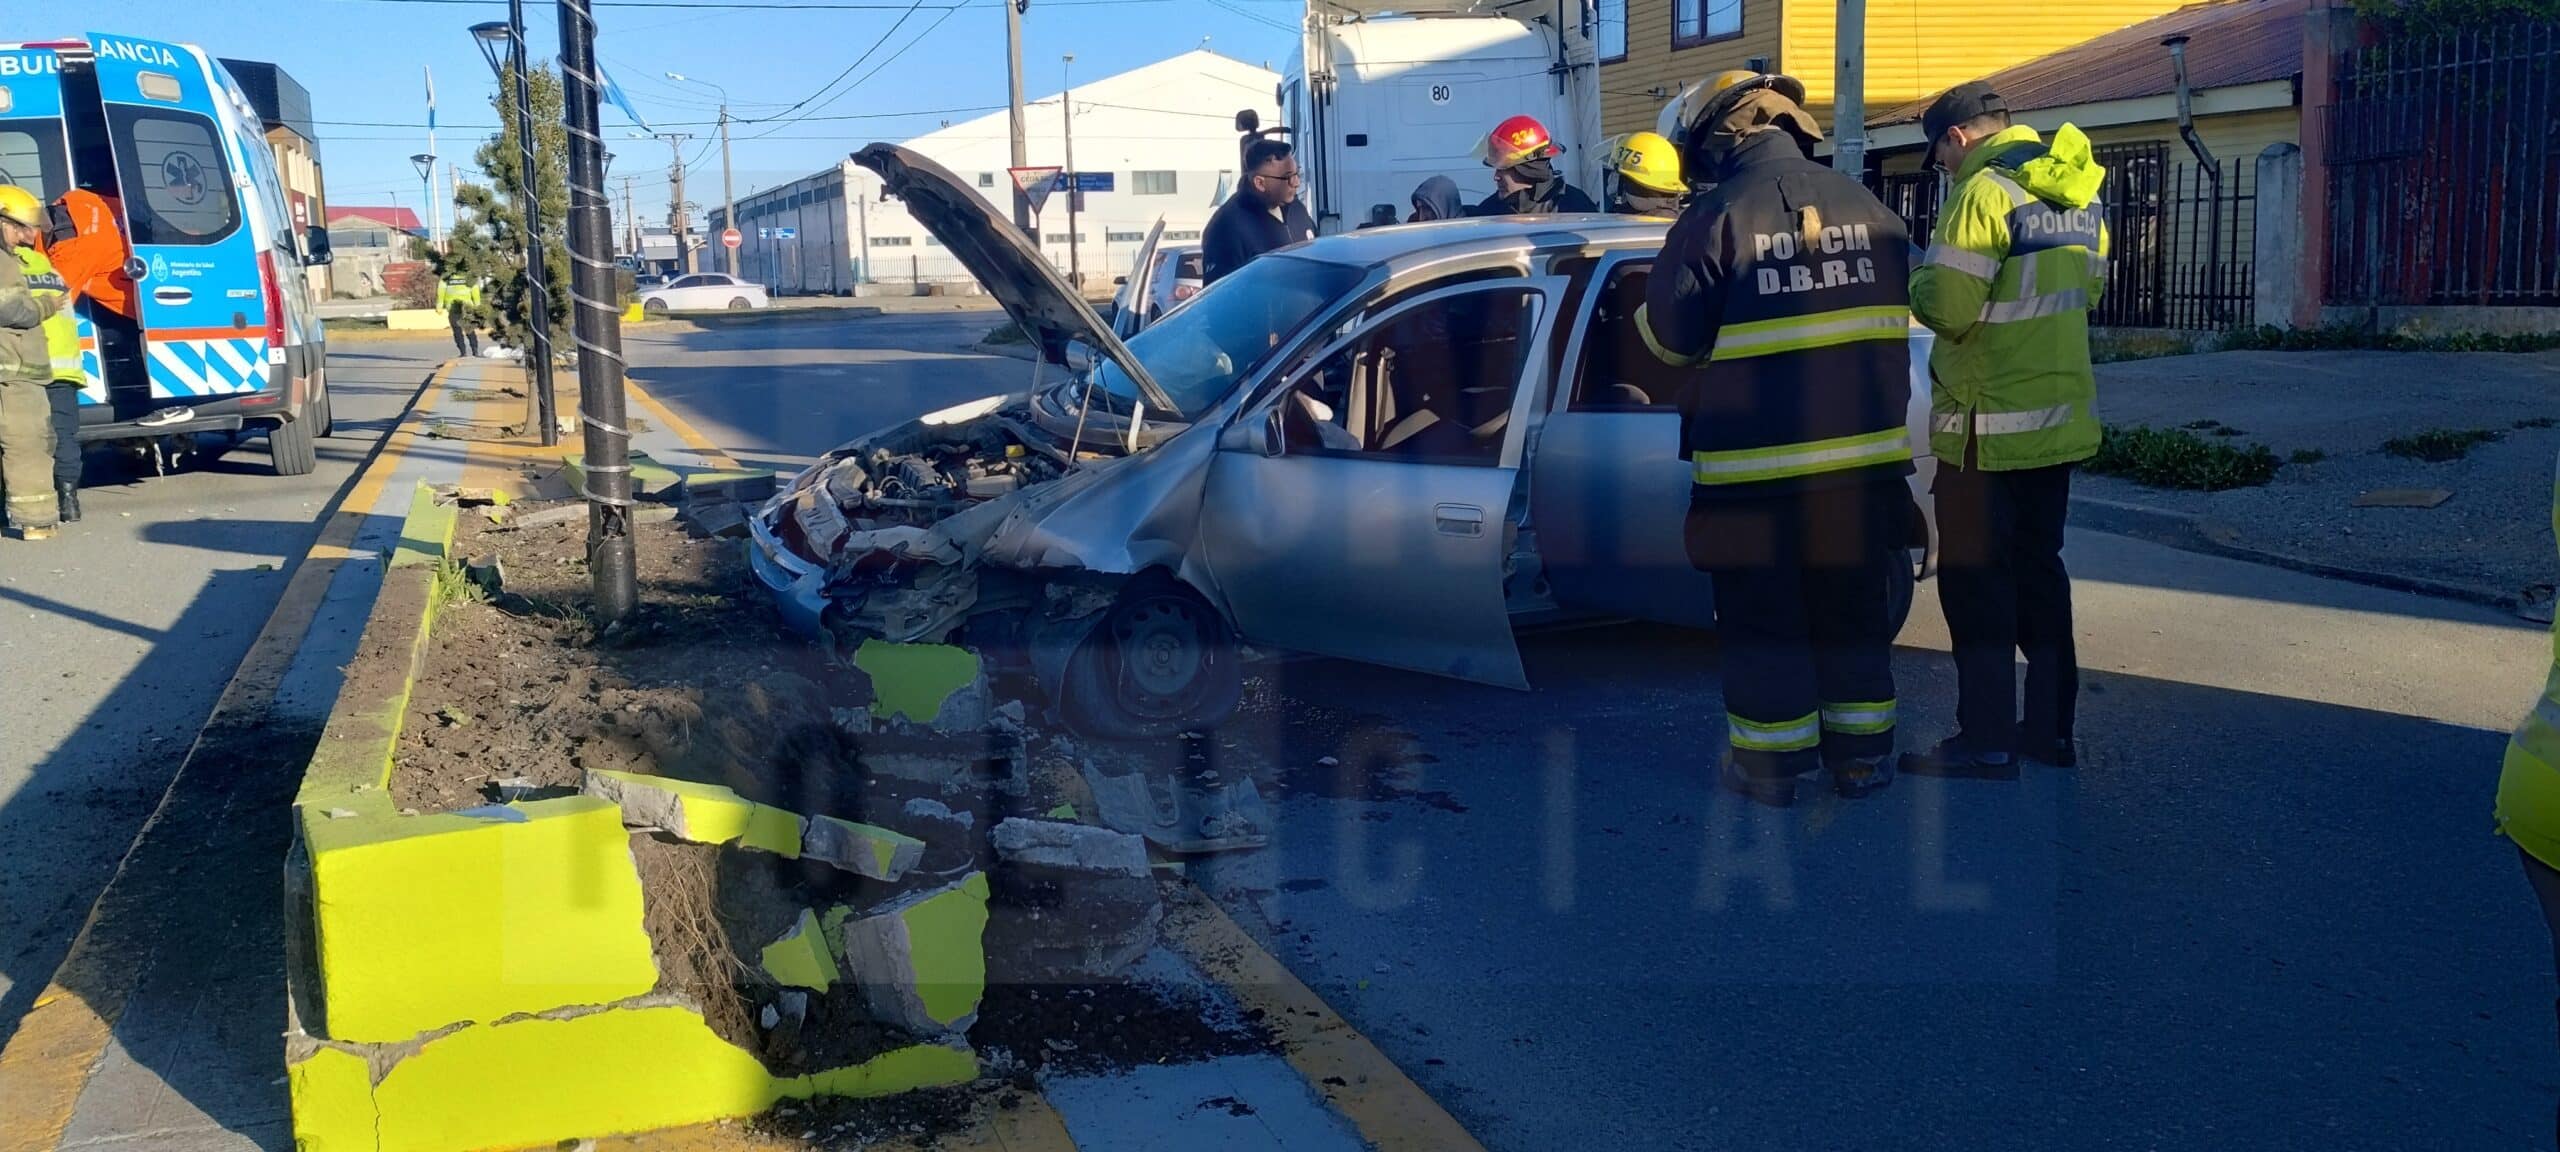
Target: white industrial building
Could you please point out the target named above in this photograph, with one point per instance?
(1163, 134)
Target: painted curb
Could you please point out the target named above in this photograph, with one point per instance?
(458, 981)
(2188, 532)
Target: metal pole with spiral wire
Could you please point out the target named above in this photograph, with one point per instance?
(597, 325)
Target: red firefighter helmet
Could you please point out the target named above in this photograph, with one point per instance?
(1517, 141)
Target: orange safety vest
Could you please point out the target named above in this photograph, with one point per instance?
(91, 258)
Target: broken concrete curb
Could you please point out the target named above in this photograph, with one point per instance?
(920, 960)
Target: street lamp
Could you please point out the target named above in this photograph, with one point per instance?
(426, 162)
(490, 35)
(728, 198)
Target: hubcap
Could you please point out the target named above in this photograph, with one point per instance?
(1163, 659)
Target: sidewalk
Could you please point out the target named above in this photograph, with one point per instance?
(2488, 541)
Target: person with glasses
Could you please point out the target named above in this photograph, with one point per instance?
(1262, 215)
(2017, 262)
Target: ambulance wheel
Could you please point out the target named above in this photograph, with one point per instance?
(292, 446)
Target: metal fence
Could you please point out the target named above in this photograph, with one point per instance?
(2183, 244)
(2444, 169)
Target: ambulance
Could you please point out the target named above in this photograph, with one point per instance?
(225, 335)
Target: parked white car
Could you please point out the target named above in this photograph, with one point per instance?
(704, 292)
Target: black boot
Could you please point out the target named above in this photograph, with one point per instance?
(68, 496)
(1774, 791)
(1858, 778)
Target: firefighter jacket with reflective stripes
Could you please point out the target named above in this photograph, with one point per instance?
(1785, 288)
(2018, 260)
(23, 355)
(61, 326)
(2529, 783)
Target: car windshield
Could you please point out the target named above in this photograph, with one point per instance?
(1199, 352)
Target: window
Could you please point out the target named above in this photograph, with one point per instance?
(986, 179)
(1181, 235)
(1695, 22)
(1062, 238)
(1151, 184)
(892, 241)
(186, 195)
(1200, 353)
(1432, 383)
(1610, 33)
(1619, 371)
(930, 242)
(1124, 237)
(31, 157)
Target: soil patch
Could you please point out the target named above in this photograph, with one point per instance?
(701, 684)
(919, 1119)
(1084, 1028)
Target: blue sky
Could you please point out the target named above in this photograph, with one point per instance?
(363, 60)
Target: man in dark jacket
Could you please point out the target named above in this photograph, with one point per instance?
(1791, 279)
(1525, 180)
(1262, 215)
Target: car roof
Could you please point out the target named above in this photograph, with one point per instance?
(1402, 245)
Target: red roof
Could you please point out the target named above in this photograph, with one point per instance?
(2231, 43)
(400, 218)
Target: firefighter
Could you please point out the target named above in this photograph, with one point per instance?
(1525, 181)
(54, 294)
(2018, 261)
(1648, 169)
(1783, 289)
(456, 296)
(26, 369)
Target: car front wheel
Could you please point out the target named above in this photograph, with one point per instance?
(1161, 662)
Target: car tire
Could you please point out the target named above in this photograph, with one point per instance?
(1162, 661)
(325, 413)
(739, 304)
(1901, 587)
(655, 309)
(292, 447)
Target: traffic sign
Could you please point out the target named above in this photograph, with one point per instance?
(1035, 183)
(764, 233)
(1092, 181)
(730, 237)
(786, 233)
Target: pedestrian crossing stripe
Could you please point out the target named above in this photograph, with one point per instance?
(221, 366)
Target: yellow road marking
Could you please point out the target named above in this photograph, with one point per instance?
(1392, 1112)
(47, 1064)
(667, 419)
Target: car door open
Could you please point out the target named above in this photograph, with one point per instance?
(1363, 508)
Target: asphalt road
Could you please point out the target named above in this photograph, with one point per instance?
(121, 632)
(2266, 912)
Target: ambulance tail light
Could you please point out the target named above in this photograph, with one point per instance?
(273, 290)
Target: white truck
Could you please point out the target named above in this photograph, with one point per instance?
(1381, 96)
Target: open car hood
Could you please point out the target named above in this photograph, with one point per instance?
(1049, 310)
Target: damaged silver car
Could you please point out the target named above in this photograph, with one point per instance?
(1391, 446)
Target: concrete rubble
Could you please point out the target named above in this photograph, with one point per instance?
(1081, 901)
(920, 960)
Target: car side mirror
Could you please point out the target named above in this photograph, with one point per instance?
(1264, 436)
(1119, 281)
(315, 243)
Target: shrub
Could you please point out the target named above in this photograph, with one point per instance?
(2437, 445)
(2177, 458)
(2357, 337)
(2535, 422)
(2308, 456)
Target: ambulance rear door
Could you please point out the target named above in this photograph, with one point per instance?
(34, 156)
(203, 309)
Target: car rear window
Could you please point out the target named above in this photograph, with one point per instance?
(177, 184)
(31, 157)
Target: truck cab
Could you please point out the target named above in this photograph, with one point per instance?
(224, 334)
(1380, 97)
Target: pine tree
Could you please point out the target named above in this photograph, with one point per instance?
(487, 242)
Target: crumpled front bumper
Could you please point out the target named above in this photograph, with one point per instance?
(798, 587)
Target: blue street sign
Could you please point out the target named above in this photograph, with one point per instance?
(786, 233)
(1085, 182)
(764, 233)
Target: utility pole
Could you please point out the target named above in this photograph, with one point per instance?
(1013, 10)
(1067, 115)
(1849, 95)
(675, 196)
(630, 224)
(728, 198)
(607, 483)
(537, 272)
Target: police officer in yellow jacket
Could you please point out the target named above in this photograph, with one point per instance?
(1784, 288)
(26, 368)
(2528, 809)
(456, 298)
(62, 349)
(2017, 262)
